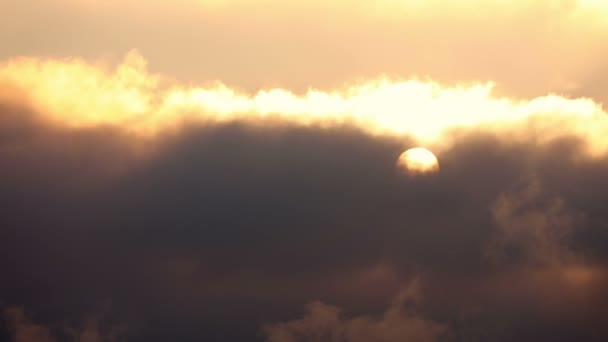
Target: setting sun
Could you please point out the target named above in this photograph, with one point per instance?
(418, 161)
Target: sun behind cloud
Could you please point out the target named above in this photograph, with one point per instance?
(418, 160)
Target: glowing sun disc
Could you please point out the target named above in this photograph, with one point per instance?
(417, 161)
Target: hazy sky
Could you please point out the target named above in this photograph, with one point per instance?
(226, 171)
(529, 48)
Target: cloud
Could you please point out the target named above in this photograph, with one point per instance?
(91, 332)
(23, 329)
(217, 221)
(78, 93)
(324, 323)
(538, 232)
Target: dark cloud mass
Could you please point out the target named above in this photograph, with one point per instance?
(277, 232)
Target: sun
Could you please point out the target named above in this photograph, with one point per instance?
(418, 160)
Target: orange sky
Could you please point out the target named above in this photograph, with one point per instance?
(529, 48)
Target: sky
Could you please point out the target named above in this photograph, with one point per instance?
(229, 170)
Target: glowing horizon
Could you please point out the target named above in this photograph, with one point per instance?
(79, 93)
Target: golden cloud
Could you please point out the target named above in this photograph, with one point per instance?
(79, 93)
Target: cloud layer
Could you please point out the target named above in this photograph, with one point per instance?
(215, 229)
(78, 93)
(398, 323)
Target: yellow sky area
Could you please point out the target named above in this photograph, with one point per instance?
(384, 8)
(77, 93)
(387, 4)
(527, 48)
(589, 13)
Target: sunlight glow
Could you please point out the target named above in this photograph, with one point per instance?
(418, 160)
(78, 93)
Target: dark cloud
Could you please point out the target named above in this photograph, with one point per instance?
(399, 322)
(23, 329)
(214, 232)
